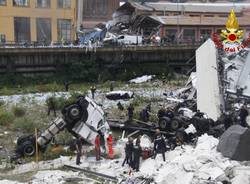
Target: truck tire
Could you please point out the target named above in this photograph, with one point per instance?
(175, 123)
(75, 112)
(164, 123)
(29, 149)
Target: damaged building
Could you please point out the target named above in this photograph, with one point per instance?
(185, 22)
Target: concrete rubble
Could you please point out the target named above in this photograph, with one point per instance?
(193, 118)
(195, 164)
(142, 79)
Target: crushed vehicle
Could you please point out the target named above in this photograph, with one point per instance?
(119, 95)
(84, 118)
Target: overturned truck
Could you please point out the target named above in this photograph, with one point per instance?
(84, 118)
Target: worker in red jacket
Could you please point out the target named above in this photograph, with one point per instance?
(97, 148)
(110, 145)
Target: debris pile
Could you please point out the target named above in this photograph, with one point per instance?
(142, 79)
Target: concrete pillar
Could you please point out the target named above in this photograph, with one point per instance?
(209, 98)
(79, 13)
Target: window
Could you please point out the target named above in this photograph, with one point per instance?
(64, 3)
(43, 30)
(218, 30)
(22, 29)
(2, 38)
(189, 35)
(223, 15)
(20, 2)
(2, 2)
(96, 8)
(208, 15)
(205, 34)
(43, 3)
(171, 34)
(63, 30)
(194, 15)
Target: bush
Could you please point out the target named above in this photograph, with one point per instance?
(48, 87)
(6, 118)
(60, 102)
(2, 102)
(24, 124)
(18, 111)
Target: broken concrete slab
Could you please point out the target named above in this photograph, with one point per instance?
(209, 99)
(235, 143)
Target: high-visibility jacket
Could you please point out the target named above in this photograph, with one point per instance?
(110, 146)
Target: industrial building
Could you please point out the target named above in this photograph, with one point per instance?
(179, 21)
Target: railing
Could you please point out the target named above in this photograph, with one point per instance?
(11, 44)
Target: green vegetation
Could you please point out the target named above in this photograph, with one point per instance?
(6, 118)
(25, 124)
(18, 111)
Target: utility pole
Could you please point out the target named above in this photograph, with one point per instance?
(178, 26)
(79, 13)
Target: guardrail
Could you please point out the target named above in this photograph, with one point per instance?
(10, 44)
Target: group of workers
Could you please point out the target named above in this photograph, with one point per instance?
(134, 152)
(144, 114)
(100, 147)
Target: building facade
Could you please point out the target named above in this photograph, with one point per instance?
(94, 12)
(181, 21)
(37, 20)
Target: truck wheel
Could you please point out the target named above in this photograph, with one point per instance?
(75, 112)
(175, 124)
(164, 123)
(28, 149)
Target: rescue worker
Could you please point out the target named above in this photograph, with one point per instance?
(51, 106)
(98, 148)
(159, 145)
(136, 155)
(199, 114)
(102, 142)
(130, 112)
(243, 115)
(144, 114)
(110, 145)
(228, 121)
(112, 85)
(120, 106)
(78, 150)
(128, 152)
(93, 89)
(66, 85)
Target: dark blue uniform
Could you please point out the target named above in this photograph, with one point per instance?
(128, 153)
(78, 151)
(136, 156)
(144, 115)
(243, 116)
(159, 146)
